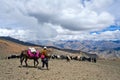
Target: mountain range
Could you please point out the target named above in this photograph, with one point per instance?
(104, 49)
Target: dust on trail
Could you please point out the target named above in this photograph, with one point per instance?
(60, 70)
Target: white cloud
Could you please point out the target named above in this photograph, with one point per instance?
(108, 35)
(69, 16)
(14, 33)
(56, 19)
(98, 4)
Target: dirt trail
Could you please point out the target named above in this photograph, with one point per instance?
(60, 70)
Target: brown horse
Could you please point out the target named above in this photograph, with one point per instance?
(24, 57)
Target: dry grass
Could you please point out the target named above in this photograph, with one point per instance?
(61, 70)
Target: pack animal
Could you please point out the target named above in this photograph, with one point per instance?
(26, 54)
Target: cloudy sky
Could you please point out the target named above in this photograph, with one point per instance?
(60, 19)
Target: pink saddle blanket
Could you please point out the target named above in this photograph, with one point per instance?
(31, 55)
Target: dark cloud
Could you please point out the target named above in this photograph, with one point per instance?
(42, 19)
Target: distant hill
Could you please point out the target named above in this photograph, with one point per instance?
(17, 41)
(33, 44)
(105, 49)
(10, 45)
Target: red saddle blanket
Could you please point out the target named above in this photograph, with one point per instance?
(33, 55)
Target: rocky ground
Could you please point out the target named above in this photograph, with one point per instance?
(60, 70)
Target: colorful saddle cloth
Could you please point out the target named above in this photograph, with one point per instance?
(33, 55)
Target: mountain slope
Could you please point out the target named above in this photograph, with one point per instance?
(17, 41)
(8, 47)
(105, 49)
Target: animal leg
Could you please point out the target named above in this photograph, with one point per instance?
(37, 62)
(21, 60)
(34, 62)
(26, 62)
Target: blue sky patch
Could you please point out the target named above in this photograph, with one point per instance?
(111, 28)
